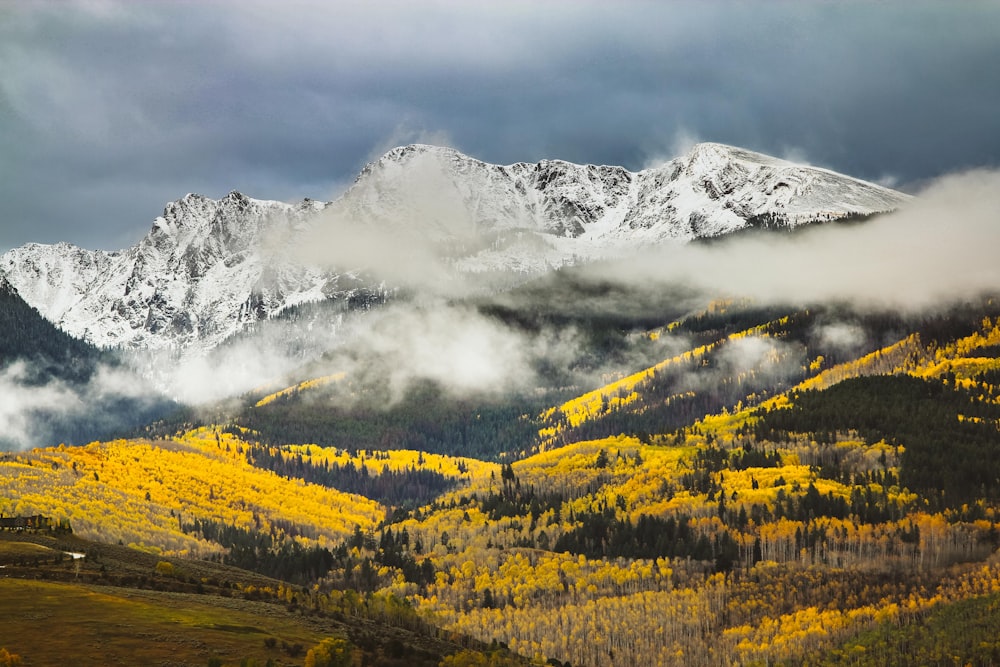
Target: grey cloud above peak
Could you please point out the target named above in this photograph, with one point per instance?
(109, 109)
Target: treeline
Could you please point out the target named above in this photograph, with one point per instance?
(938, 329)
(277, 557)
(601, 535)
(426, 419)
(952, 450)
(678, 396)
(723, 376)
(408, 488)
(389, 549)
(604, 311)
(354, 564)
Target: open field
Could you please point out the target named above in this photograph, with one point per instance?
(113, 607)
(13, 552)
(48, 623)
(39, 555)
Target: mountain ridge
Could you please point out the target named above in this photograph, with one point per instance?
(207, 269)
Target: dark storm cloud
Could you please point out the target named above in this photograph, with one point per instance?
(108, 110)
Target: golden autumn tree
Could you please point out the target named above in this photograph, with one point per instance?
(331, 652)
(8, 659)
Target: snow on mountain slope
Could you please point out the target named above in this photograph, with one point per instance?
(209, 268)
(204, 271)
(54, 278)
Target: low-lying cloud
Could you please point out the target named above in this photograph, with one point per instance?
(400, 227)
(397, 345)
(938, 248)
(455, 346)
(36, 412)
(844, 337)
(24, 401)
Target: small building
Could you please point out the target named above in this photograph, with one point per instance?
(21, 523)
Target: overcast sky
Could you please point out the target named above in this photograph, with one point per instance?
(108, 110)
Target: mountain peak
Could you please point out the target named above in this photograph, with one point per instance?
(191, 199)
(236, 197)
(187, 206)
(711, 147)
(402, 154)
(710, 156)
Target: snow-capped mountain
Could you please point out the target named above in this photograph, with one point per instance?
(204, 270)
(208, 268)
(588, 211)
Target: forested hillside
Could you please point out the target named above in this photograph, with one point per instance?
(29, 337)
(756, 485)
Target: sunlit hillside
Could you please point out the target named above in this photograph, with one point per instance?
(144, 493)
(828, 495)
